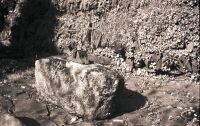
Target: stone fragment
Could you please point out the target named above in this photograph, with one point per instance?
(99, 59)
(81, 57)
(195, 66)
(185, 64)
(190, 46)
(96, 39)
(6, 105)
(33, 108)
(87, 91)
(121, 50)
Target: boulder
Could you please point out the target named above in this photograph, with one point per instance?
(9, 120)
(86, 91)
(6, 119)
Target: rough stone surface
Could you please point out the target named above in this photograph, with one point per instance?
(87, 91)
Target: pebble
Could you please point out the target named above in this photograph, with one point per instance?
(118, 120)
(117, 56)
(118, 63)
(73, 120)
(178, 117)
(189, 113)
(170, 118)
(23, 87)
(195, 115)
(5, 81)
(169, 106)
(194, 120)
(188, 95)
(8, 96)
(122, 60)
(172, 94)
(139, 72)
(180, 108)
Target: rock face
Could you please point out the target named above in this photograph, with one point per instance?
(87, 91)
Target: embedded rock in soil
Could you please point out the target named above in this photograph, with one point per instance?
(9, 120)
(86, 91)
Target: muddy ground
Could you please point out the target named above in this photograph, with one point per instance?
(150, 100)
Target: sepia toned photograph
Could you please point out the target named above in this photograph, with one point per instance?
(99, 63)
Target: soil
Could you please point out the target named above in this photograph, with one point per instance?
(160, 39)
(154, 100)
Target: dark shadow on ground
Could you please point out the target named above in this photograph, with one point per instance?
(130, 101)
(33, 33)
(5, 7)
(127, 100)
(30, 31)
(28, 121)
(9, 66)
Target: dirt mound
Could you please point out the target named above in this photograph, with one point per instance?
(162, 36)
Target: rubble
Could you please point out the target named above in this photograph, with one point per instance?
(141, 38)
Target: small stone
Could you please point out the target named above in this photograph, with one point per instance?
(118, 120)
(169, 106)
(188, 95)
(178, 117)
(189, 113)
(121, 59)
(191, 108)
(170, 118)
(5, 81)
(117, 56)
(190, 46)
(139, 72)
(73, 119)
(194, 120)
(172, 94)
(23, 87)
(180, 108)
(118, 63)
(195, 115)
